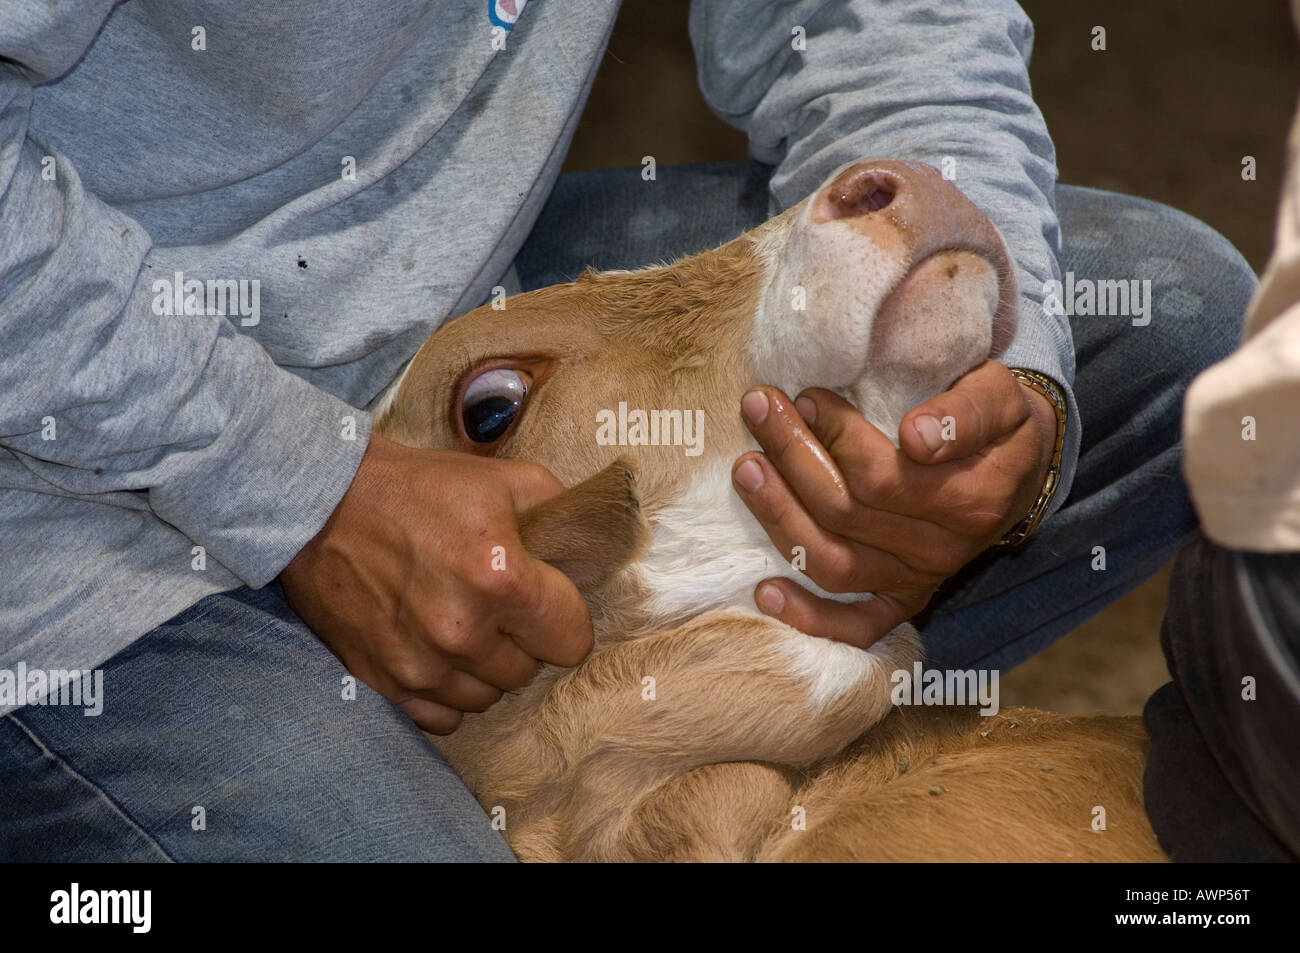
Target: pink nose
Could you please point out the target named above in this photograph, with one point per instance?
(909, 204)
(928, 211)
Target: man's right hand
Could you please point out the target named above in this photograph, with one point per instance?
(400, 583)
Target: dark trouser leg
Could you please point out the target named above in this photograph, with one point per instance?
(1223, 779)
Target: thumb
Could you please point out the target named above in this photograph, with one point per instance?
(981, 408)
(857, 623)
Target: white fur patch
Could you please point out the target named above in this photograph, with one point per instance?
(708, 552)
(831, 669)
(835, 668)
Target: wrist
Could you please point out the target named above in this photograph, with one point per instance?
(1048, 408)
(370, 476)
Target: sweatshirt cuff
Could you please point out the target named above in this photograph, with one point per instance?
(261, 490)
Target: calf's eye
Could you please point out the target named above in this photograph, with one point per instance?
(491, 403)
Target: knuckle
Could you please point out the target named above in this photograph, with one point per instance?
(506, 585)
(456, 639)
(852, 446)
(877, 485)
(411, 674)
(836, 433)
(838, 571)
(537, 473)
(835, 510)
(930, 561)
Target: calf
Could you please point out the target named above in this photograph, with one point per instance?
(699, 729)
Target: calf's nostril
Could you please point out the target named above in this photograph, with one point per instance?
(871, 199)
(857, 193)
(878, 198)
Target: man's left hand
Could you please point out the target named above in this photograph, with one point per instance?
(872, 518)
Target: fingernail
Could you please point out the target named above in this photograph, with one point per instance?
(754, 406)
(930, 431)
(807, 410)
(750, 476)
(769, 599)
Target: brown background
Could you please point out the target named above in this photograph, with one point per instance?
(1184, 90)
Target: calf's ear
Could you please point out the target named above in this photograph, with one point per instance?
(589, 531)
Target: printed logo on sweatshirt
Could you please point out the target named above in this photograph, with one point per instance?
(504, 13)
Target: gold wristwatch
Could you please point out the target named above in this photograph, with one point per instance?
(1052, 391)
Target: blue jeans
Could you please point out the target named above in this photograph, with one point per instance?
(235, 708)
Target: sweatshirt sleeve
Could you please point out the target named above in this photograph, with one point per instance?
(818, 83)
(102, 394)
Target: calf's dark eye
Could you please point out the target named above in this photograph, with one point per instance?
(491, 403)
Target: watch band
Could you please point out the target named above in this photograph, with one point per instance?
(1053, 392)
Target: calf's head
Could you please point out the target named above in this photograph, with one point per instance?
(884, 285)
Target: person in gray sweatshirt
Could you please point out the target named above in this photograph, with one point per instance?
(222, 235)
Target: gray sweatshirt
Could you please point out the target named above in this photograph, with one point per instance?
(225, 227)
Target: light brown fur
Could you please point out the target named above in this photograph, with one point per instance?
(730, 752)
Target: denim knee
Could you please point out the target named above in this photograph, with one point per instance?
(1200, 283)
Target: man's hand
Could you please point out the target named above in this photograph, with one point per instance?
(401, 584)
(874, 519)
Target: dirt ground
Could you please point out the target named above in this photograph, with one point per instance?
(1184, 90)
